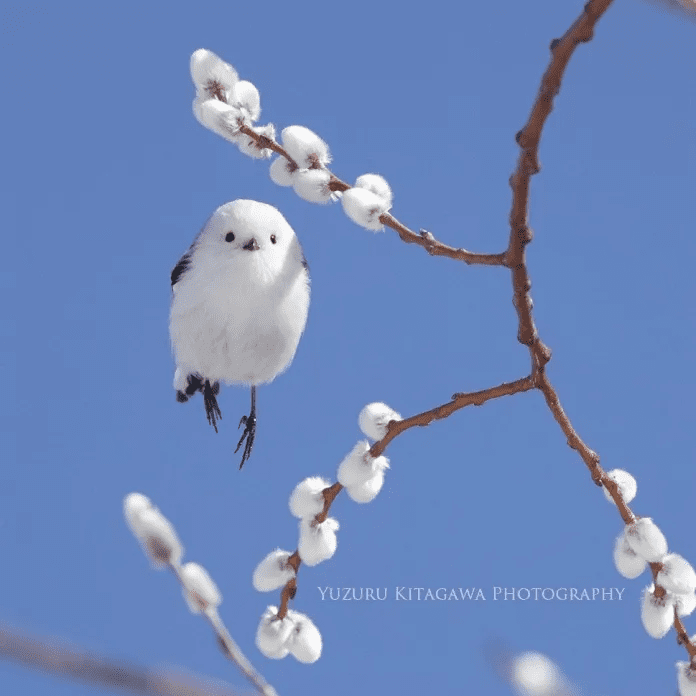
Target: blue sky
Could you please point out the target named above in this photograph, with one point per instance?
(107, 179)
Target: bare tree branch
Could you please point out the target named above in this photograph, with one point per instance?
(459, 401)
(424, 239)
(581, 31)
(513, 258)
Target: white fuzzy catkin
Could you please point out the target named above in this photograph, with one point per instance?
(307, 500)
(364, 207)
(133, 505)
(305, 641)
(685, 603)
(367, 491)
(200, 591)
(210, 73)
(305, 147)
(352, 470)
(273, 572)
(626, 483)
(273, 635)
(282, 172)
(358, 466)
(646, 539)
(312, 185)
(686, 679)
(153, 530)
(218, 117)
(657, 613)
(677, 575)
(534, 674)
(626, 560)
(378, 185)
(159, 539)
(318, 542)
(246, 97)
(375, 417)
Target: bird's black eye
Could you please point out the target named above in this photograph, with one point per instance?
(273, 239)
(229, 237)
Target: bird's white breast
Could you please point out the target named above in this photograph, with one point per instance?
(237, 333)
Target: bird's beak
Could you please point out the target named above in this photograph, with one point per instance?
(251, 245)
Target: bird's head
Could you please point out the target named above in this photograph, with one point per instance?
(253, 237)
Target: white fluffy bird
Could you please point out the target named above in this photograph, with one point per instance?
(239, 306)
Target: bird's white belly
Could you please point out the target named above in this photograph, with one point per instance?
(230, 342)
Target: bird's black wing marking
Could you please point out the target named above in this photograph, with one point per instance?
(181, 267)
(304, 263)
(185, 261)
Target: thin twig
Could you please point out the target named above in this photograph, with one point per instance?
(425, 239)
(228, 646)
(458, 401)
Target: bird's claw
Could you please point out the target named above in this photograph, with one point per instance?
(249, 423)
(212, 410)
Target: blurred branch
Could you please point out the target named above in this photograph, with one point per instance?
(685, 8)
(160, 543)
(227, 644)
(57, 658)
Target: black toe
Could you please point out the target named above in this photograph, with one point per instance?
(212, 410)
(249, 434)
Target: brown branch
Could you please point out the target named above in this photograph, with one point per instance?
(435, 248)
(528, 139)
(395, 428)
(424, 239)
(329, 494)
(683, 637)
(521, 234)
(290, 589)
(458, 402)
(288, 592)
(265, 143)
(514, 258)
(590, 457)
(59, 659)
(528, 164)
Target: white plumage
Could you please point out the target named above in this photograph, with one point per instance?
(239, 305)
